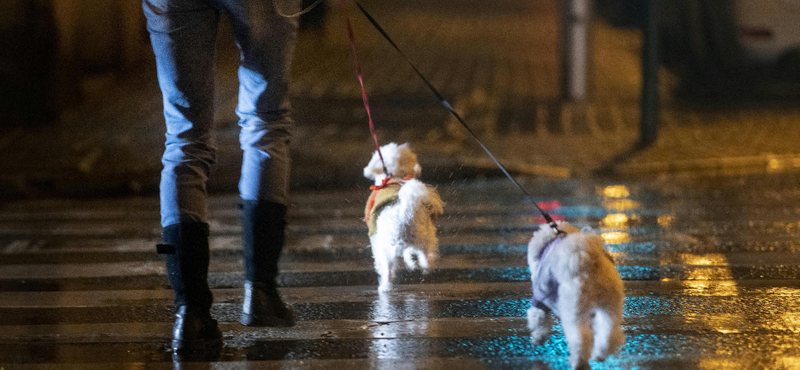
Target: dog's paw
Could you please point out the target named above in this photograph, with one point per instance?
(384, 287)
(538, 337)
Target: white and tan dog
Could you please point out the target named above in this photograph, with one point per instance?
(400, 214)
(575, 278)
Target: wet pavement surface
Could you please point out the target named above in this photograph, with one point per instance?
(710, 265)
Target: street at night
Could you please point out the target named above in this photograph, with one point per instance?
(703, 223)
(710, 268)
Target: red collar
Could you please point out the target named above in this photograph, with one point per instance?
(388, 181)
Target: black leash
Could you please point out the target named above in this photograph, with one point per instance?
(294, 15)
(455, 114)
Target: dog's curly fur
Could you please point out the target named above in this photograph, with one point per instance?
(585, 291)
(405, 228)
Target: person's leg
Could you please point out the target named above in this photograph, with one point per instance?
(183, 35)
(267, 42)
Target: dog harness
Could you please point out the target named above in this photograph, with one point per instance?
(545, 285)
(383, 195)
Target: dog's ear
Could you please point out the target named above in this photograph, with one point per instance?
(372, 169)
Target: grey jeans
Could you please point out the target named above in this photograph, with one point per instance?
(183, 34)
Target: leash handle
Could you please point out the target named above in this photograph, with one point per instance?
(455, 114)
(363, 89)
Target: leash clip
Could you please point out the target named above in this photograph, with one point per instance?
(559, 233)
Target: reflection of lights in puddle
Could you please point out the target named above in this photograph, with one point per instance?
(616, 237)
(791, 321)
(787, 362)
(710, 275)
(783, 291)
(620, 204)
(616, 191)
(721, 323)
(615, 220)
(710, 288)
(716, 364)
(666, 220)
(713, 259)
(774, 164)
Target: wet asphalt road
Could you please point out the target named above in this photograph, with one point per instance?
(710, 268)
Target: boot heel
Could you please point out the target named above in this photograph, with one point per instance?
(195, 330)
(263, 307)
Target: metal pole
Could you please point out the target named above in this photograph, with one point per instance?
(649, 99)
(575, 49)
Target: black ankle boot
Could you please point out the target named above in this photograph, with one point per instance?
(263, 234)
(187, 256)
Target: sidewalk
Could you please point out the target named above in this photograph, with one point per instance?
(498, 68)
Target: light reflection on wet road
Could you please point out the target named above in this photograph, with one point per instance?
(711, 269)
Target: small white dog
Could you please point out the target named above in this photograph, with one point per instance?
(400, 213)
(574, 277)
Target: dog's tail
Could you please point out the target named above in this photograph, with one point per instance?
(421, 203)
(414, 195)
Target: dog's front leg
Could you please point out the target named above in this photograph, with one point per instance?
(540, 323)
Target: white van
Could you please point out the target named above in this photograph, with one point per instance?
(721, 46)
(769, 30)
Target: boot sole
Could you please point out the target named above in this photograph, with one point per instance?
(209, 342)
(196, 345)
(273, 322)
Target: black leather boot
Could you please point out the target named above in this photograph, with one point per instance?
(263, 235)
(187, 256)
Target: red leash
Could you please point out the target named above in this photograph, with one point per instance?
(363, 89)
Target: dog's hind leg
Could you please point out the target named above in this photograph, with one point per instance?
(577, 325)
(540, 323)
(607, 335)
(423, 261)
(411, 258)
(384, 267)
(385, 274)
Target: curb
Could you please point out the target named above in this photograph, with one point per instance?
(766, 163)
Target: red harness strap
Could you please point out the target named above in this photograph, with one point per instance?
(387, 181)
